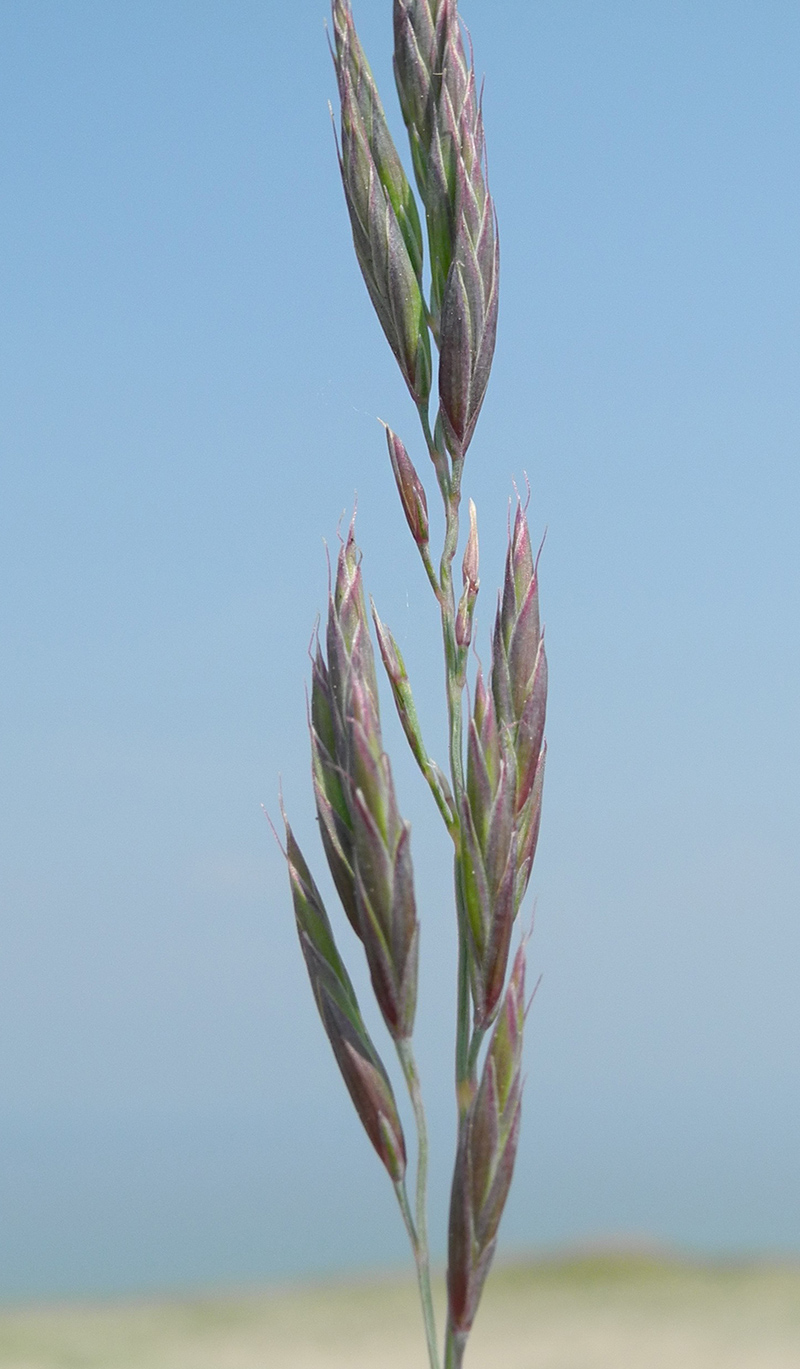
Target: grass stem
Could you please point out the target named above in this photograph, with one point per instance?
(418, 1226)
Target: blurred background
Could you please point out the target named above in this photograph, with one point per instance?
(190, 382)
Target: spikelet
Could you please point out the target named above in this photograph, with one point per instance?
(519, 687)
(361, 1067)
(485, 1161)
(489, 855)
(366, 841)
(383, 213)
(436, 85)
(410, 489)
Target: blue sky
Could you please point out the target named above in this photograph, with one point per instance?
(189, 386)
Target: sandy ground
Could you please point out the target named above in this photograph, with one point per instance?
(582, 1314)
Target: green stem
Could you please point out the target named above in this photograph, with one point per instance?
(418, 1230)
(455, 692)
(439, 458)
(454, 1348)
(430, 570)
(450, 486)
(452, 652)
(463, 1093)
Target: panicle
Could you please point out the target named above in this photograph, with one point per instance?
(519, 688)
(361, 1066)
(366, 842)
(485, 1160)
(488, 860)
(383, 213)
